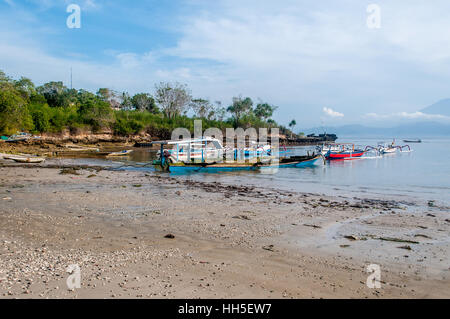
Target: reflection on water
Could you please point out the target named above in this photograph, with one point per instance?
(422, 173)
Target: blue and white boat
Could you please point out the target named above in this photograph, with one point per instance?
(208, 154)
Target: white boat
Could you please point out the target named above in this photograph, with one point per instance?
(22, 159)
(78, 148)
(121, 153)
(387, 148)
(19, 137)
(325, 148)
(208, 154)
(195, 149)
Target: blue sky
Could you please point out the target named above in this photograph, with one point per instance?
(317, 60)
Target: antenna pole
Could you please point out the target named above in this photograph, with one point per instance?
(71, 87)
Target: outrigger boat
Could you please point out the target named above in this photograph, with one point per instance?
(391, 148)
(387, 148)
(343, 151)
(208, 154)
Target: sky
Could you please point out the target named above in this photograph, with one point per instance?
(321, 62)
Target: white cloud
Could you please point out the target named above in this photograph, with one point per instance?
(332, 113)
(301, 53)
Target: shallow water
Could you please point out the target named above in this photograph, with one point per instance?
(423, 174)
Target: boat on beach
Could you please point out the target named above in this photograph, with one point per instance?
(80, 148)
(121, 153)
(19, 137)
(33, 160)
(22, 158)
(208, 154)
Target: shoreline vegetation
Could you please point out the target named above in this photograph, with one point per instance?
(58, 113)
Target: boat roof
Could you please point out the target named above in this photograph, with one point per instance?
(187, 141)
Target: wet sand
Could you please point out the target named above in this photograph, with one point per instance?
(229, 241)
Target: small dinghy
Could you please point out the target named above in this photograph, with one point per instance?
(121, 153)
(20, 159)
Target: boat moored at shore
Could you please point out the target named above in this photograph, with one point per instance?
(208, 154)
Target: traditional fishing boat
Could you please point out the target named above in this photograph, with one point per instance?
(391, 148)
(387, 149)
(343, 151)
(208, 154)
(325, 148)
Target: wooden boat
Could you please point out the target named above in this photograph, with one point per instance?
(19, 137)
(299, 161)
(208, 154)
(343, 151)
(22, 159)
(78, 148)
(121, 153)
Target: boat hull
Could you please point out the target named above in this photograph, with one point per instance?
(344, 155)
(309, 163)
(227, 167)
(27, 160)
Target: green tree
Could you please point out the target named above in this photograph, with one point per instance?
(4, 78)
(201, 107)
(173, 99)
(109, 96)
(41, 121)
(292, 124)
(240, 107)
(56, 94)
(26, 88)
(93, 111)
(144, 102)
(264, 111)
(14, 113)
(126, 103)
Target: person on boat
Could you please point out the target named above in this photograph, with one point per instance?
(166, 154)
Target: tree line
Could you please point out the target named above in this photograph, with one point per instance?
(53, 107)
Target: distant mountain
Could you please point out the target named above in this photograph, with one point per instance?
(414, 130)
(442, 107)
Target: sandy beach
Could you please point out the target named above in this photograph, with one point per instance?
(138, 234)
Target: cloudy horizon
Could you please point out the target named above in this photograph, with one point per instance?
(319, 62)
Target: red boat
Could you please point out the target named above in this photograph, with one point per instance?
(344, 151)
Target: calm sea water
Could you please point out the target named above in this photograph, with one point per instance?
(423, 174)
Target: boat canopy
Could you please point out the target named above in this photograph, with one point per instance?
(200, 141)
